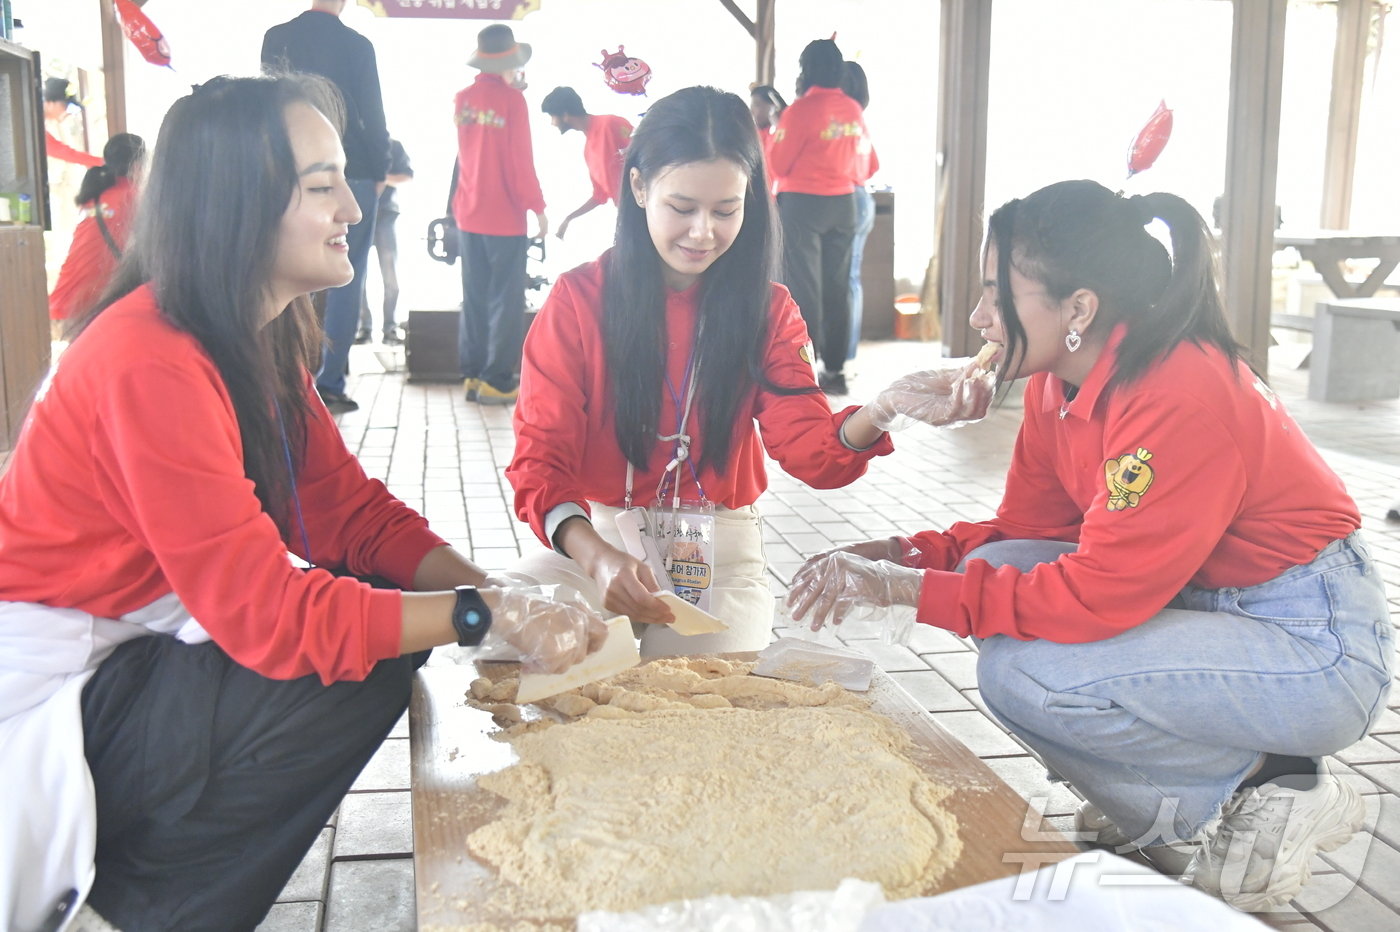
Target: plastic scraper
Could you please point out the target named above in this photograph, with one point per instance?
(619, 652)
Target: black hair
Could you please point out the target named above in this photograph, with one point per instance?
(56, 91)
(121, 154)
(208, 251)
(854, 83)
(696, 124)
(820, 64)
(563, 101)
(1079, 234)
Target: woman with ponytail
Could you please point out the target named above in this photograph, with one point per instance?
(1174, 604)
(108, 201)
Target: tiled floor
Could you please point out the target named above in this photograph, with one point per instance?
(447, 458)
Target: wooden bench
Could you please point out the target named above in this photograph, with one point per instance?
(1356, 350)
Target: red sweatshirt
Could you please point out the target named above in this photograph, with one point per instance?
(1192, 474)
(90, 260)
(565, 439)
(604, 142)
(821, 145)
(496, 183)
(127, 484)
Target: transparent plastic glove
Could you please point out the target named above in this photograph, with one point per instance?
(958, 393)
(839, 585)
(899, 550)
(549, 634)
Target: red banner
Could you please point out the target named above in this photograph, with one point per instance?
(451, 9)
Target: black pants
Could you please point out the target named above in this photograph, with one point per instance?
(817, 235)
(493, 307)
(213, 781)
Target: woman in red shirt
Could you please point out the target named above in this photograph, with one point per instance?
(108, 199)
(644, 376)
(181, 706)
(1175, 606)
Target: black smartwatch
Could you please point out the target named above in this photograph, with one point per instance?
(471, 619)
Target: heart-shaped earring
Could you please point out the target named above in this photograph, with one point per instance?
(1073, 341)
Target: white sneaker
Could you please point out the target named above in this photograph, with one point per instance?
(1089, 820)
(1258, 856)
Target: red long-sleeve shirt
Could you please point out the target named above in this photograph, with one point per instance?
(1187, 475)
(604, 141)
(90, 260)
(821, 145)
(127, 484)
(565, 438)
(58, 149)
(496, 183)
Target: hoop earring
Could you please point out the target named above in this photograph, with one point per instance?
(1073, 341)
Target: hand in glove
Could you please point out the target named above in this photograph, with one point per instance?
(550, 635)
(898, 550)
(837, 585)
(948, 397)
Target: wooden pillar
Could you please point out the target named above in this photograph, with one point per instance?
(1344, 111)
(761, 29)
(1251, 171)
(965, 44)
(113, 69)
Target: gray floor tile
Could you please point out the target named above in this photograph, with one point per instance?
(372, 896)
(374, 825)
(1338, 903)
(981, 735)
(308, 883)
(1026, 776)
(388, 769)
(931, 691)
(889, 657)
(960, 668)
(293, 917)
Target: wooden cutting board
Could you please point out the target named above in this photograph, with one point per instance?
(451, 748)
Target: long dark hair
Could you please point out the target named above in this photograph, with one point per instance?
(1079, 234)
(697, 124)
(205, 238)
(855, 84)
(122, 153)
(820, 65)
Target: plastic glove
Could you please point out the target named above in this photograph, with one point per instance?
(626, 585)
(550, 635)
(894, 549)
(840, 585)
(958, 394)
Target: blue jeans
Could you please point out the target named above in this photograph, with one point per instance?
(343, 303)
(1158, 725)
(865, 222)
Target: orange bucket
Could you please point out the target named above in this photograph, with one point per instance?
(907, 319)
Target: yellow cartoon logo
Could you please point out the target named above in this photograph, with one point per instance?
(1128, 478)
(805, 353)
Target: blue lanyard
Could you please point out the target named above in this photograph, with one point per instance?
(292, 475)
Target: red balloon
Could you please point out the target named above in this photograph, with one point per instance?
(1150, 141)
(143, 33)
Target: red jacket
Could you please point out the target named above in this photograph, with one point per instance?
(605, 141)
(496, 182)
(1193, 474)
(565, 440)
(821, 145)
(127, 484)
(90, 260)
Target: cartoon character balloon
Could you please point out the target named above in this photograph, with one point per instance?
(624, 74)
(143, 33)
(1150, 140)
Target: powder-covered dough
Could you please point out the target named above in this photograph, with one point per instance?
(688, 778)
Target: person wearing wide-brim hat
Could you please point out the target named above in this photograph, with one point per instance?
(497, 51)
(496, 187)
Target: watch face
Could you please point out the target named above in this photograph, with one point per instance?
(473, 618)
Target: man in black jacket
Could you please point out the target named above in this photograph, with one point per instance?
(318, 42)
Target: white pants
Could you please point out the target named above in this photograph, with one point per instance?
(741, 597)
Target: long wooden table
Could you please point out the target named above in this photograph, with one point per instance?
(451, 747)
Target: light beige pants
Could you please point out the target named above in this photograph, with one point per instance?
(741, 597)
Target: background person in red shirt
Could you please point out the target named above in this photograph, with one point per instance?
(57, 100)
(820, 152)
(676, 347)
(605, 138)
(108, 200)
(1176, 609)
(496, 187)
(766, 105)
(182, 707)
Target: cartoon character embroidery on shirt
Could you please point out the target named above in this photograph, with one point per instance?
(805, 353)
(1128, 478)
